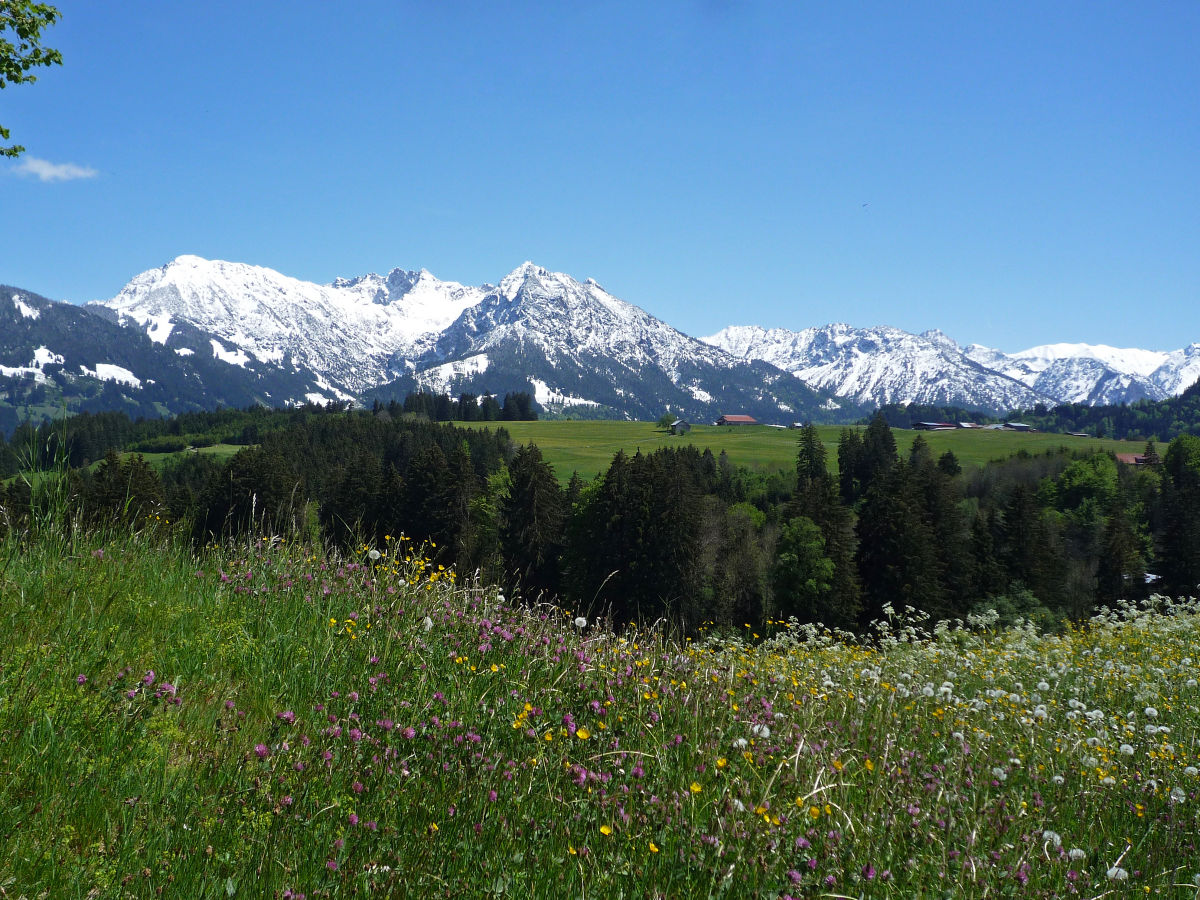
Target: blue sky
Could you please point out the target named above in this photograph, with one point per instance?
(1012, 173)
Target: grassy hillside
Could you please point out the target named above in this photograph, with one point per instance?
(588, 447)
(270, 722)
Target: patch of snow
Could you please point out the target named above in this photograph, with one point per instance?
(160, 327)
(319, 399)
(185, 351)
(109, 372)
(547, 396)
(441, 377)
(43, 356)
(238, 358)
(24, 308)
(700, 394)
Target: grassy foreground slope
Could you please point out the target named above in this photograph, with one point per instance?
(588, 447)
(269, 721)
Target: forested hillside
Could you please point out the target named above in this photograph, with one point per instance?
(1160, 419)
(678, 533)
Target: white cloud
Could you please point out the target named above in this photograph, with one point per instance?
(44, 170)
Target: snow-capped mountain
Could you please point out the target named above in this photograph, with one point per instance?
(882, 365)
(1096, 374)
(347, 332)
(579, 346)
(197, 333)
(574, 344)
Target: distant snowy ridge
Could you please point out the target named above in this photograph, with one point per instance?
(1097, 374)
(887, 365)
(881, 365)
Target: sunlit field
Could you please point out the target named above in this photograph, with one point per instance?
(270, 721)
(588, 447)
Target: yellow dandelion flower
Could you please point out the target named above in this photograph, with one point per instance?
(722, 763)
(695, 788)
(606, 830)
(582, 733)
(653, 849)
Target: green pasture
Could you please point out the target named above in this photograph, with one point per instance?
(588, 447)
(221, 452)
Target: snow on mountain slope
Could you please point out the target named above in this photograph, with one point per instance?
(1124, 360)
(1096, 373)
(575, 340)
(346, 331)
(880, 365)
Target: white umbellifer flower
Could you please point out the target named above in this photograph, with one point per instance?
(1127, 749)
(373, 555)
(1076, 853)
(580, 622)
(1116, 873)
(1151, 712)
(427, 623)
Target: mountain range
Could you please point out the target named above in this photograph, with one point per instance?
(199, 333)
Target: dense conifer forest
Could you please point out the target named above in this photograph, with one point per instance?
(677, 534)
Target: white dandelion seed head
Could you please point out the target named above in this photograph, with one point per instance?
(1075, 853)
(1127, 749)
(1043, 685)
(1151, 712)
(1191, 771)
(373, 554)
(1116, 873)
(580, 622)
(427, 623)
(1178, 794)
(1053, 838)
(1058, 779)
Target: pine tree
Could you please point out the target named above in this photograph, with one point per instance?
(531, 523)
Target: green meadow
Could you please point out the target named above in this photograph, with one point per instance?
(271, 720)
(588, 447)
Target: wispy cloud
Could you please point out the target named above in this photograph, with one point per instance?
(44, 170)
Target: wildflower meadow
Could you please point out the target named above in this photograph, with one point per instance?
(272, 721)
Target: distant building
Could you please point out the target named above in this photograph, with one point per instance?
(679, 426)
(1131, 459)
(1018, 426)
(934, 426)
(737, 420)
